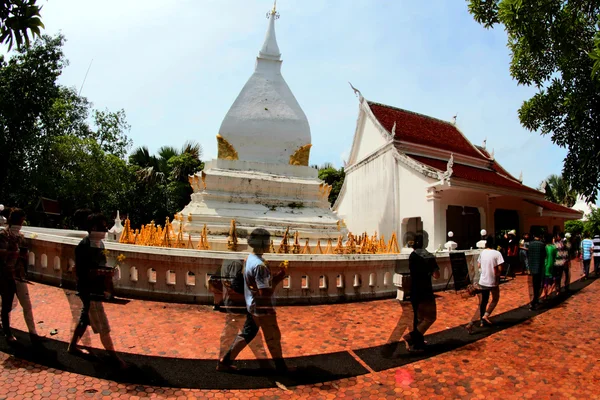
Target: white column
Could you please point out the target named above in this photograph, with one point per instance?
(434, 220)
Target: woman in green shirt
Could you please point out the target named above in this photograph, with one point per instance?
(551, 253)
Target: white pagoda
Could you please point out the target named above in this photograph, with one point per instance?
(261, 176)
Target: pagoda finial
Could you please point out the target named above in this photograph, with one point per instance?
(270, 49)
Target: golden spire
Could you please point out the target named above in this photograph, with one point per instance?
(274, 10)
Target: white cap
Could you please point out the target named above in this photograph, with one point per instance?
(483, 232)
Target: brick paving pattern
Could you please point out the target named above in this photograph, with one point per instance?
(553, 355)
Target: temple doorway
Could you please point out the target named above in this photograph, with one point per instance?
(506, 220)
(465, 223)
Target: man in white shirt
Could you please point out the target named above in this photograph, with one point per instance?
(259, 288)
(489, 263)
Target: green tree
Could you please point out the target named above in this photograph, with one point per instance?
(592, 224)
(162, 180)
(574, 227)
(111, 132)
(19, 19)
(82, 174)
(559, 191)
(28, 115)
(48, 147)
(555, 46)
(334, 177)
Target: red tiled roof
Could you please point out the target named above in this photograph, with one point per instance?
(550, 206)
(478, 175)
(421, 129)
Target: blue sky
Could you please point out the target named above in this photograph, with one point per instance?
(176, 67)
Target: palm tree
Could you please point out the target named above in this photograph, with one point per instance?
(165, 153)
(188, 162)
(559, 191)
(149, 166)
(155, 169)
(192, 148)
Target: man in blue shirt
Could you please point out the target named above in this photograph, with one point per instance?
(259, 287)
(587, 247)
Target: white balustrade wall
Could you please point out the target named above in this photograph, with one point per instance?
(170, 274)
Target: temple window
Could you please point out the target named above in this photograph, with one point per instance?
(190, 279)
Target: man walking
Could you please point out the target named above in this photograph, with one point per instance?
(91, 271)
(562, 264)
(587, 247)
(259, 287)
(537, 258)
(596, 242)
(423, 267)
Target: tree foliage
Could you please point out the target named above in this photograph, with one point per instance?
(19, 19)
(574, 227)
(162, 187)
(592, 223)
(555, 47)
(29, 113)
(334, 177)
(590, 226)
(559, 191)
(48, 147)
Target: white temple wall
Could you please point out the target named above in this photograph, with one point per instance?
(369, 200)
(371, 138)
(414, 203)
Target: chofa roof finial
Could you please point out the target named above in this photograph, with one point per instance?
(356, 91)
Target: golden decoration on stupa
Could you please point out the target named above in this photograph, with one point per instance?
(127, 236)
(329, 247)
(350, 244)
(306, 248)
(225, 149)
(296, 247)
(232, 240)
(283, 246)
(155, 235)
(301, 156)
(203, 175)
(318, 249)
(339, 248)
(393, 245)
(203, 241)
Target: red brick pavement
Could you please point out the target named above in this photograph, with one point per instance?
(553, 355)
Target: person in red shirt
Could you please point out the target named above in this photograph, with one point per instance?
(512, 252)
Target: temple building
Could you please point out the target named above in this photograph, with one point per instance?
(261, 176)
(409, 171)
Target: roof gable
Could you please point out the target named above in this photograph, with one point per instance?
(478, 175)
(421, 129)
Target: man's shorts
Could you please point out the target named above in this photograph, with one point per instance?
(98, 320)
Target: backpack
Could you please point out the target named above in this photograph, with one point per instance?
(232, 274)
